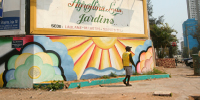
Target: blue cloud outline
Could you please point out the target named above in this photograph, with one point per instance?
(66, 60)
(141, 48)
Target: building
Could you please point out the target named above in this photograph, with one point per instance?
(71, 40)
(189, 28)
(193, 9)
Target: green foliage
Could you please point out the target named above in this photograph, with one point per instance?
(196, 34)
(149, 8)
(175, 50)
(185, 52)
(79, 86)
(162, 38)
(105, 77)
(155, 71)
(135, 73)
(179, 52)
(149, 73)
(55, 85)
(36, 86)
(113, 74)
(160, 33)
(44, 87)
(194, 50)
(108, 76)
(171, 94)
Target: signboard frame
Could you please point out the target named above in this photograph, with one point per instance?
(49, 31)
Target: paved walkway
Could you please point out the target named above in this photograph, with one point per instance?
(181, 83)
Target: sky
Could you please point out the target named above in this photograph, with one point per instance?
(175, 13)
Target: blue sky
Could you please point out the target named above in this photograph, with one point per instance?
(175, 13)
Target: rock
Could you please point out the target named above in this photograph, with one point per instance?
(134, 98)
(66, 85)
(162, 93)
(89, 81)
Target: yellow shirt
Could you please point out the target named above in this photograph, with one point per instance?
(126, 59)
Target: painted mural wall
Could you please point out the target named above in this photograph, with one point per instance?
(47, 58)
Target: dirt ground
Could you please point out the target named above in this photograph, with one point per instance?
(115, 91)
(30, 94)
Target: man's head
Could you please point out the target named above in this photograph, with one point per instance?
(128, 48)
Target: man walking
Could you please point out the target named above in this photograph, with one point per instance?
(127, 64)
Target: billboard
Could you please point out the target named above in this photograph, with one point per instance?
(116, 18)
(12, 17)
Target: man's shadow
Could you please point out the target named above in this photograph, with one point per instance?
(107, 85)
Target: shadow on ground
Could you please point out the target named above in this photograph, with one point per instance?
(112, 85)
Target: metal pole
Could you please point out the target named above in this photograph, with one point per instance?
(188, 41)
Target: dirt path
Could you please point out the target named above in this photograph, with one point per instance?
(180, 85)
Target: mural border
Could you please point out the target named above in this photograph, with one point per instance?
(47, 31)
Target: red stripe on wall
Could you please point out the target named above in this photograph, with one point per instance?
(79, 44)
(90, 58)
(100, 60)
(83, 54)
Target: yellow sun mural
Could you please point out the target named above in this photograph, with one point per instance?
(97, 52)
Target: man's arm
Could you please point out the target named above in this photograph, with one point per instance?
(122, 63)
(131, 60)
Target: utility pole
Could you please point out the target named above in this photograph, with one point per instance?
(186, 32)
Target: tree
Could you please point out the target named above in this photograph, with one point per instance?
(160, 33)
(196, 35)
(162, 38)
(149, 8)
(153, 20)
(194, 50)
(179, 52)
(185, 52)
(175, 50)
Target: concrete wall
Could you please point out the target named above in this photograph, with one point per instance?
(47, 58)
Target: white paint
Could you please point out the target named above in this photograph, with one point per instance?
(5, 48)
(2, 68)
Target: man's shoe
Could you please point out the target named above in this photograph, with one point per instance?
(124, 81)
(128, 85)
